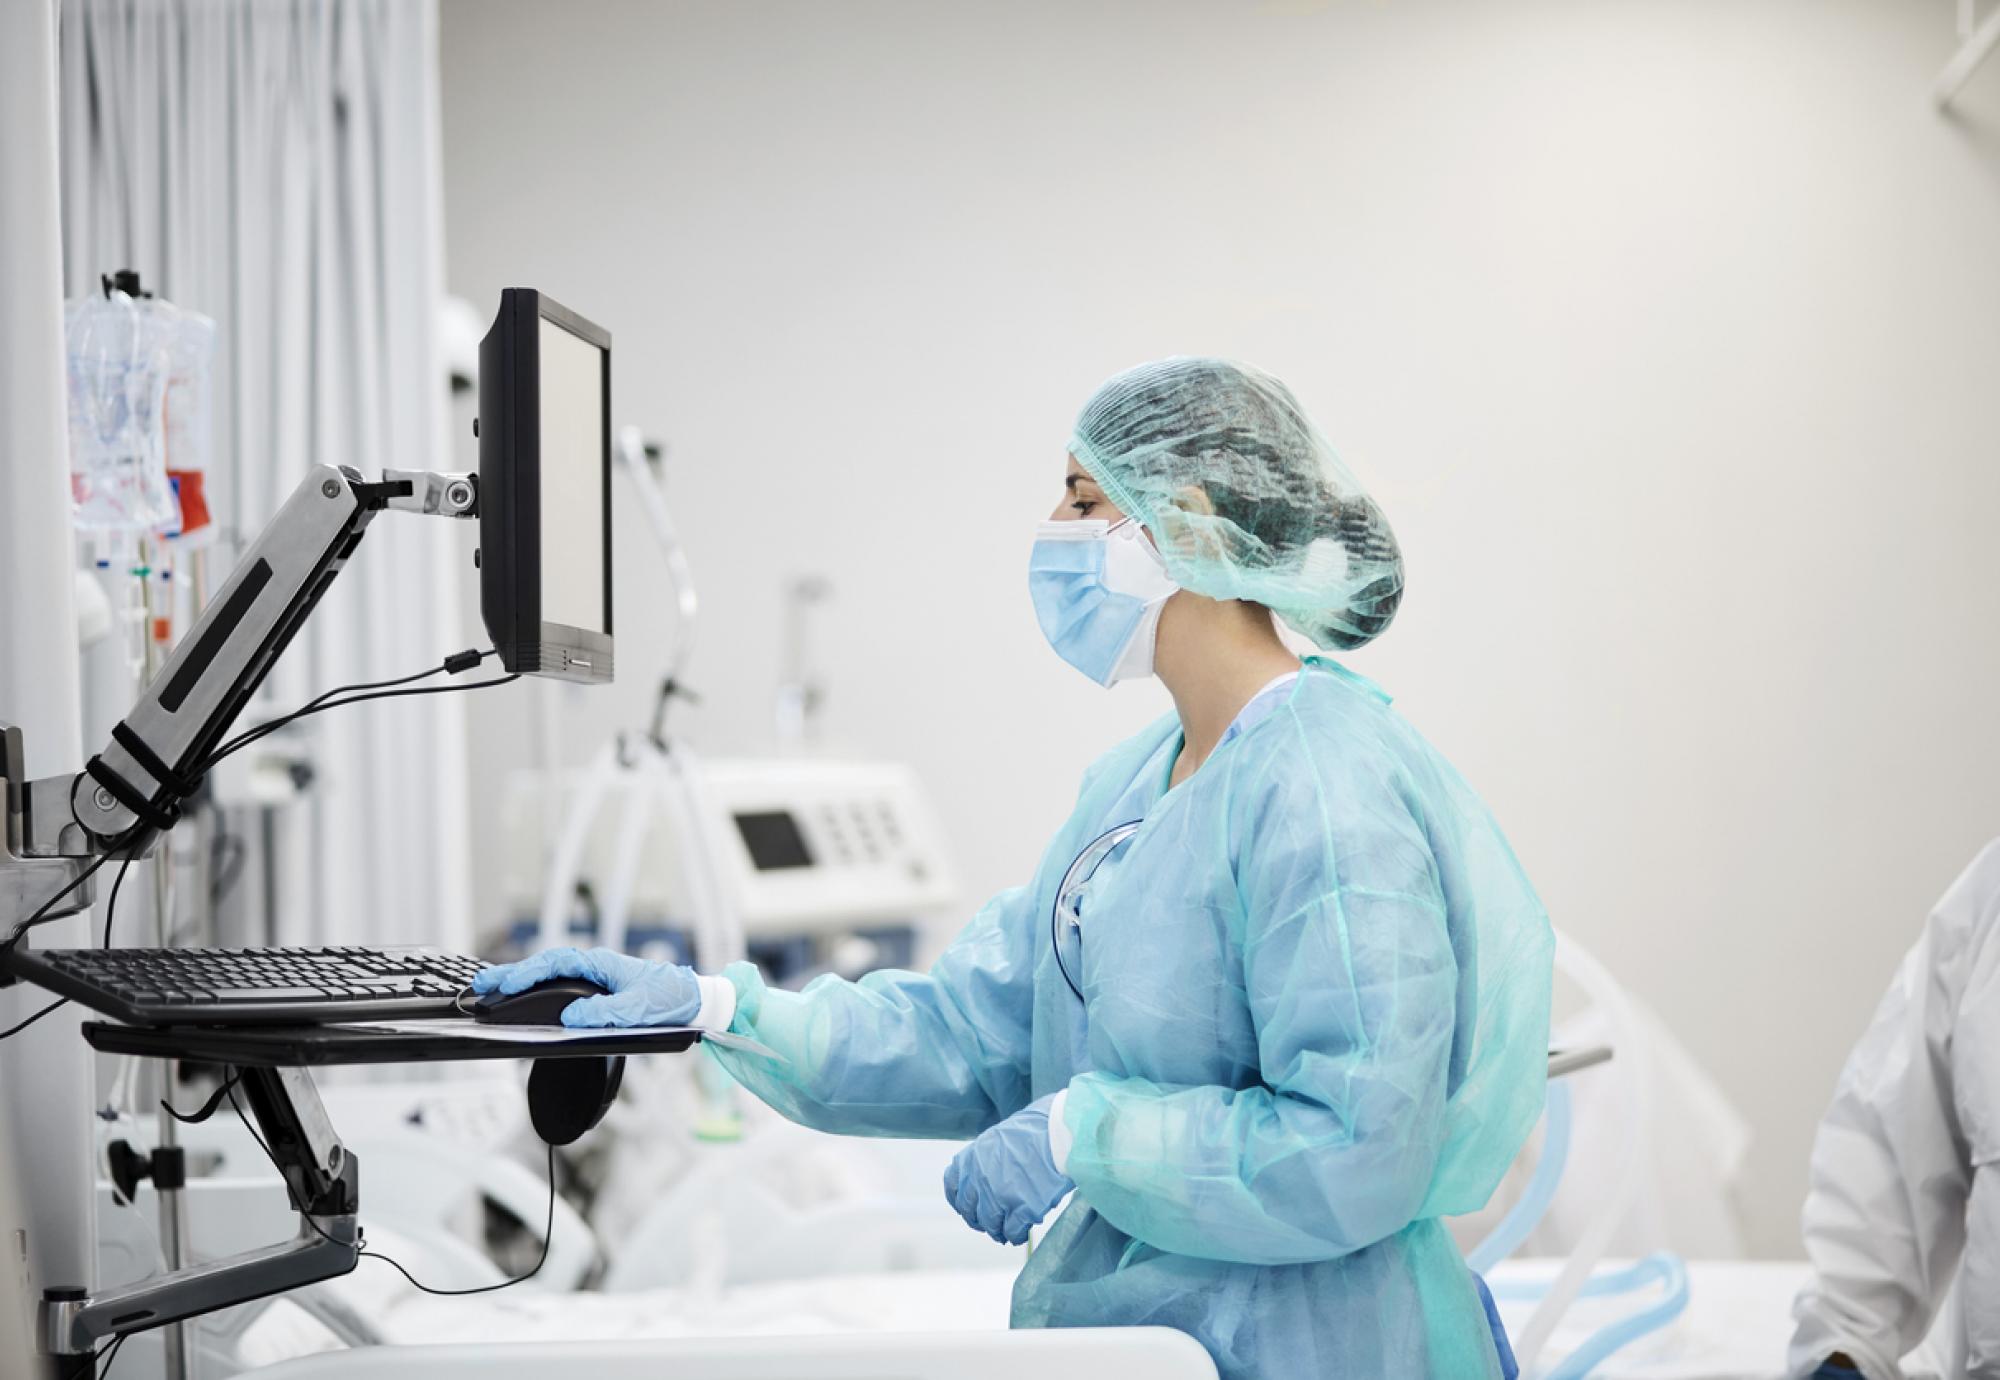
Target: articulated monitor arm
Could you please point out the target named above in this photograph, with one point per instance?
(130, 793)
(322, 1177)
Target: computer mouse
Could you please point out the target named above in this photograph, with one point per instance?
(541, 1004)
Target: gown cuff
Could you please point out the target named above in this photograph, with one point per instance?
(1060, 1138)
(718, 1003)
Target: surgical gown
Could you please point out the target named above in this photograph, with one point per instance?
(1314, 1019)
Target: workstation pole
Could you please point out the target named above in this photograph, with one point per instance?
(47, 1227)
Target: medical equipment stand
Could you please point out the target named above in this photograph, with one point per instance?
(60, 829)
(322, 1178)
(46, 1203)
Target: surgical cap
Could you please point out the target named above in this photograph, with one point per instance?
(1243, 496)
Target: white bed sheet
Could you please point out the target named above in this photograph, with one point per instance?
(914, 1301)
(1738, 1319)
(1735, 1328)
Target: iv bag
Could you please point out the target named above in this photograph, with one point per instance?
(187, 426)
(138, 372)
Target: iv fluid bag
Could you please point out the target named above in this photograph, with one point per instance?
(187, 425)
(132, 362)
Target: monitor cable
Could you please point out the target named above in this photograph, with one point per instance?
(97, 1364)
(365, 690)
(332, 699)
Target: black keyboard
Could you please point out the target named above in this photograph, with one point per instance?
(251, 986)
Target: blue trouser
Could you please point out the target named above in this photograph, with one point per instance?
(1509, 1367)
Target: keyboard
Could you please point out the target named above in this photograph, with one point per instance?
(251, 986)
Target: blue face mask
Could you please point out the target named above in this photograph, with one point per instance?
(1098, 589)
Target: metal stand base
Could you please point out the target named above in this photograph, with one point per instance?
(324, 1181)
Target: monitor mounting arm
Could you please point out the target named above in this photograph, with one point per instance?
(322, 1177)
(58, 827)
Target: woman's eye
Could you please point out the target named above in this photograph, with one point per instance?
(1084, 505)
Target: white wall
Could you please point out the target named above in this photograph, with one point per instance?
(1668, 335)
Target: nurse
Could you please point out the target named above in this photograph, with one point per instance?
(1277, 997)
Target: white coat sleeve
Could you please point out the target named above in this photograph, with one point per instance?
(1979, 1282)
(1975, 1060)
(1890, 1179)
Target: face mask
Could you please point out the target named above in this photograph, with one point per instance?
(1098, 589)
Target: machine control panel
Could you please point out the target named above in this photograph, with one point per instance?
(826, 845)
(804, 846)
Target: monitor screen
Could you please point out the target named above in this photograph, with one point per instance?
(572, 479)
(545, 489)
(774, 840)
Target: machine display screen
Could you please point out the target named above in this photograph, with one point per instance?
(774, 840)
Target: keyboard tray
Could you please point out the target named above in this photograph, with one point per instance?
(320, 1045)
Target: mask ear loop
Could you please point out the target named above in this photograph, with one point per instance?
(1130, 521)
(1144, 537)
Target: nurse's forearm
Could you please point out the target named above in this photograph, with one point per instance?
(867, 1058)
(1249, 1175)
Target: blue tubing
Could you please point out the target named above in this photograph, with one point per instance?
(1662, 1266)
(1533, 1205)
(1636, 1276)
(1527, 1213)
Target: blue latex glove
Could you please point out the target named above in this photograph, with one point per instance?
(1830, 1371)
(1006, 1180)
(641, 993)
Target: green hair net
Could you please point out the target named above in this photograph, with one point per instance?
(1243, 496)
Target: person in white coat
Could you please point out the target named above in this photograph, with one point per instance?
(1903, 1199)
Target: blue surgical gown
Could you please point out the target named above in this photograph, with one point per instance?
(1314, 1021)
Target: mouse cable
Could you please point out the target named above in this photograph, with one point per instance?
(548, 1228)
(208, 1108)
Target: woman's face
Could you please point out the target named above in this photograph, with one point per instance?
(1083, 499)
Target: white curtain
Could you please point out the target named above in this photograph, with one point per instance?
(274, 164)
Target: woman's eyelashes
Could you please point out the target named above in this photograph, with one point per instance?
(1083, 506)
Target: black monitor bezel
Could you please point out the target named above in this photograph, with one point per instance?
(510, 534)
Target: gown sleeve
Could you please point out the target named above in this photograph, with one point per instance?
(941, 1054)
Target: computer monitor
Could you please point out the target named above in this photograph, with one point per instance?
(545, 489)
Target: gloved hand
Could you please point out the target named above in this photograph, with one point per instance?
(1006, 1180)
(641, 993)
